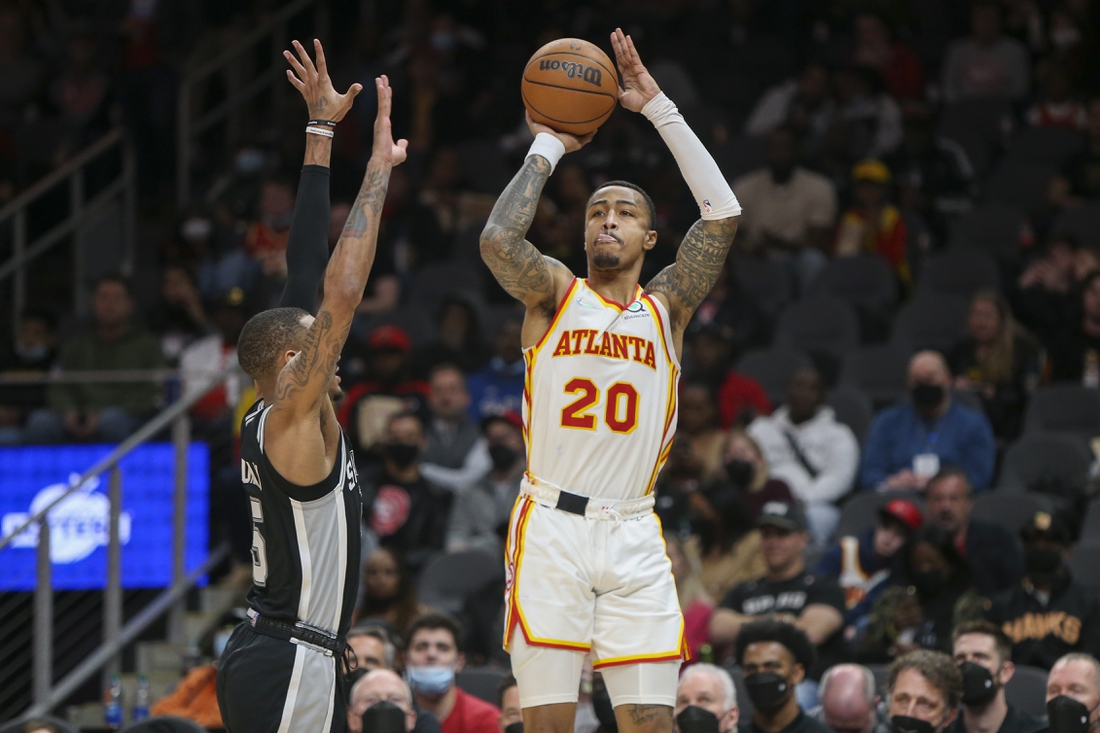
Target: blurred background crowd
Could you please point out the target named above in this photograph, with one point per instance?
(888, 402)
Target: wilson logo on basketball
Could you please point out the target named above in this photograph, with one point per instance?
(588, 74)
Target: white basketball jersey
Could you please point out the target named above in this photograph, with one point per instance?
(600, 396)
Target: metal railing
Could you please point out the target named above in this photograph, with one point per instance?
(45, 695)
(232, 65)
(83, 213)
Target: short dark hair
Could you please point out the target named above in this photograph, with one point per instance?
(506, 683)
(115, 277)
(939, 669)
(950, 472)
(987, 628)
(266, 335)
(788, 635)
(375, 631)
(438, 620)
(651, 210)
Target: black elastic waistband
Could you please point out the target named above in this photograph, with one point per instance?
(286, 632)
(572, 503)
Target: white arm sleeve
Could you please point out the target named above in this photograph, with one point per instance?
(709, 187)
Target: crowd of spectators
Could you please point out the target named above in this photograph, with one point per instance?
(854, 140)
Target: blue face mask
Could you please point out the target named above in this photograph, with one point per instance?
(431, 680)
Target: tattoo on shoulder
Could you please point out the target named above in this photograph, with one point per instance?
(698, 264)
(317, 359)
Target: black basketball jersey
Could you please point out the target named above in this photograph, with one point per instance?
(305, 539)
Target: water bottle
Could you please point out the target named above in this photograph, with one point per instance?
(706, 654)
(112, 704)
(141, 701)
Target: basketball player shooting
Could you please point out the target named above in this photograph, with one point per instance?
(281, 671)
(587, 569)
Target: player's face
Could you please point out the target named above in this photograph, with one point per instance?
(617, 229)
(510, 711)
(915, 696)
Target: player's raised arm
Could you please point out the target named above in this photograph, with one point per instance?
(307, 244)
(517, 265)
(699, 260)
(304, 380)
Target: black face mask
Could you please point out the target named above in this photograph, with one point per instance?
(384, 717)
(1067, 715)
(402, 454)
(906, 724)
(516, 727)
(740, 472)
(605, 711)
(978, 684)
(1042, 564)
(767, 690)
(928, 583)
(502, 456)
(927, 396)
(694, 719)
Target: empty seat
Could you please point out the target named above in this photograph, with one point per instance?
(880, 371)
(1064, 408)
(960, 271)
(449, 579)
(931, 321)
(978, 126)
(768, 283)
(434, 282)
(993, 227)
(482, 682)
(825, 324)
(865, 280)
(1024, 185)
(773, 368)
(860, 511)
(1083, 565)
(1044, 461)
(853, 408)
(1083, 222)
(1013, 512)
(1028, 689)
(1090, 528)
(1048, 146)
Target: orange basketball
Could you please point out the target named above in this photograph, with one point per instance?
(571, 86)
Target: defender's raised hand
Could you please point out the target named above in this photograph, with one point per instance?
(385, 149)
(638, 86)
(315, 85)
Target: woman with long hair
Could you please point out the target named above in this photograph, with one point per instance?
(388, 591)
(998, 360)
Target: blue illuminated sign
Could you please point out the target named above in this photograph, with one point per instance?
(31, 476)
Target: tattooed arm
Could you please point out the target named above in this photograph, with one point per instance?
(685, 283)
(528, 276)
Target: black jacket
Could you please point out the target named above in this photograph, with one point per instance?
(1070, 622)
(994, 558)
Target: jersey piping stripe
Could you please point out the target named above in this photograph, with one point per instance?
(661, 326)
(528, 386)
(557, 316)
(519, 511)
(611, 303)
(260, 428)
(666, 444)
(341, 532)
(292, 690)
(304, 558)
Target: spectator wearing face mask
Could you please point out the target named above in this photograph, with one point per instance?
(747, 471)
(724, 538)
(381, 687)
(511, 714)
(1048, 615)
(774, 657)
(480, 517)
(983, 654)
(706, 700)
(863, 564)
(405, 511)
(925, 688)
(908, 443)
(1073, 694)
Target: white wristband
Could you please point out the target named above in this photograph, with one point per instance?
(709, 187)
(548, 146)
(319, 131)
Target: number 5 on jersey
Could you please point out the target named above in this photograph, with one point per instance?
(620, 406)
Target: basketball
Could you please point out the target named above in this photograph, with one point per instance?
(571, 86)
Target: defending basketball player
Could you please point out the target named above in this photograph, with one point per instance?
(587, 569)
(282, 670)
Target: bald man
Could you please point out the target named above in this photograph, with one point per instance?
(910, 442)
(376, 686)
(1073, 694)
(849, 701)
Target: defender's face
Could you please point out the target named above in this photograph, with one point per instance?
(617, 229)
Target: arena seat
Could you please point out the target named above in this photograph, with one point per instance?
(743, 700)
(931, 321)
(1013, 512)
(1064, 408)
(977, 125)
(864, 281)
(882, 676)
(768, 283)
(435, 281)
(1083, 565)
(1028, 689)
(773, 368)
(822, 324)
(1041, 458)
(960, 271)
(165, 724)
(1090, 527)
(1020, 184)
(880, 371)
(860, 511)
(1083, 222)
(448, 579)
(1049, 146)
(853, 408)
(482, 682)
(993, 227)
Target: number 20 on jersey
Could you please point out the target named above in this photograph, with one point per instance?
(620, 406)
